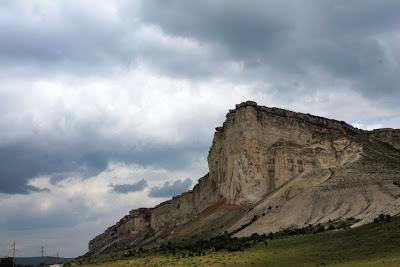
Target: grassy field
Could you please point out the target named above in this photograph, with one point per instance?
(375, 244)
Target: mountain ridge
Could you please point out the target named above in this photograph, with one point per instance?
(260, 160)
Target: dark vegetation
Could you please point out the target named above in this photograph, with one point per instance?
(221, 243)
(31, 261)
(7, 262)
(383, 217)
(374, 244)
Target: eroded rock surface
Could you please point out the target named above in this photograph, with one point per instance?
(284, 168)
(259, 149)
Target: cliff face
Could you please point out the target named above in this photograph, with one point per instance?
(148, 224)
(261, 157)
(390, 136)
(259, 149)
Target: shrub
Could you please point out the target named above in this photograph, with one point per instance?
(254, 219)
(320, 228)
(345, 225)
(270, 236)
(331, 227)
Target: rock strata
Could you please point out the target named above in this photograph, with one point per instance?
(390, 136)
(290, 168)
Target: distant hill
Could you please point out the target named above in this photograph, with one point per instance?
(39, 260)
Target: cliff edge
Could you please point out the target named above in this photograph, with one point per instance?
(271, 169)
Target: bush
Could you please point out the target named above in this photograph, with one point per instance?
(271, 236)
(345, 225)
(331, 227)
(320, 228)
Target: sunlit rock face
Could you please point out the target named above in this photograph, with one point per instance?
(259, 149)
(288, 169)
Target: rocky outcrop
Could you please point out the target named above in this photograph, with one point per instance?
(390, 136)
(133, 227)
(144, 225)
(258, 149)
(289, 167)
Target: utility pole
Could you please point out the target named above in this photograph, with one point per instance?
(14, 249)
(42, 252)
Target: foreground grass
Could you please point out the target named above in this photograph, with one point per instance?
(375, 244)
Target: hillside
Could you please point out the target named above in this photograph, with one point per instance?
(273, 169)
(373, 244)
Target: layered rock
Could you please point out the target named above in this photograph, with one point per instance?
(390, 136)
(144, 225)
(259, 149)
(268, 157)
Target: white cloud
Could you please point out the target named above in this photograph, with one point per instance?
(130, 104)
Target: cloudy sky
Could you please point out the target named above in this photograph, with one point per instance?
(107, 106)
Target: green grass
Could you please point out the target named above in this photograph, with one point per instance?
(375, 244)
(371, 245)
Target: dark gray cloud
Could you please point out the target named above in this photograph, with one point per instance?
(22, 161)
(18, 163)
(273, 40)
(127, 188)
(20, 222)
(169, 190)
(75, 41)
(244, 29)
(343, 39)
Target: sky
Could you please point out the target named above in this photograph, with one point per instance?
(108, 106)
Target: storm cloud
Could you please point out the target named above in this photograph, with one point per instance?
(170, 190)
(127, 188)
(342, 39)
(21, 163)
